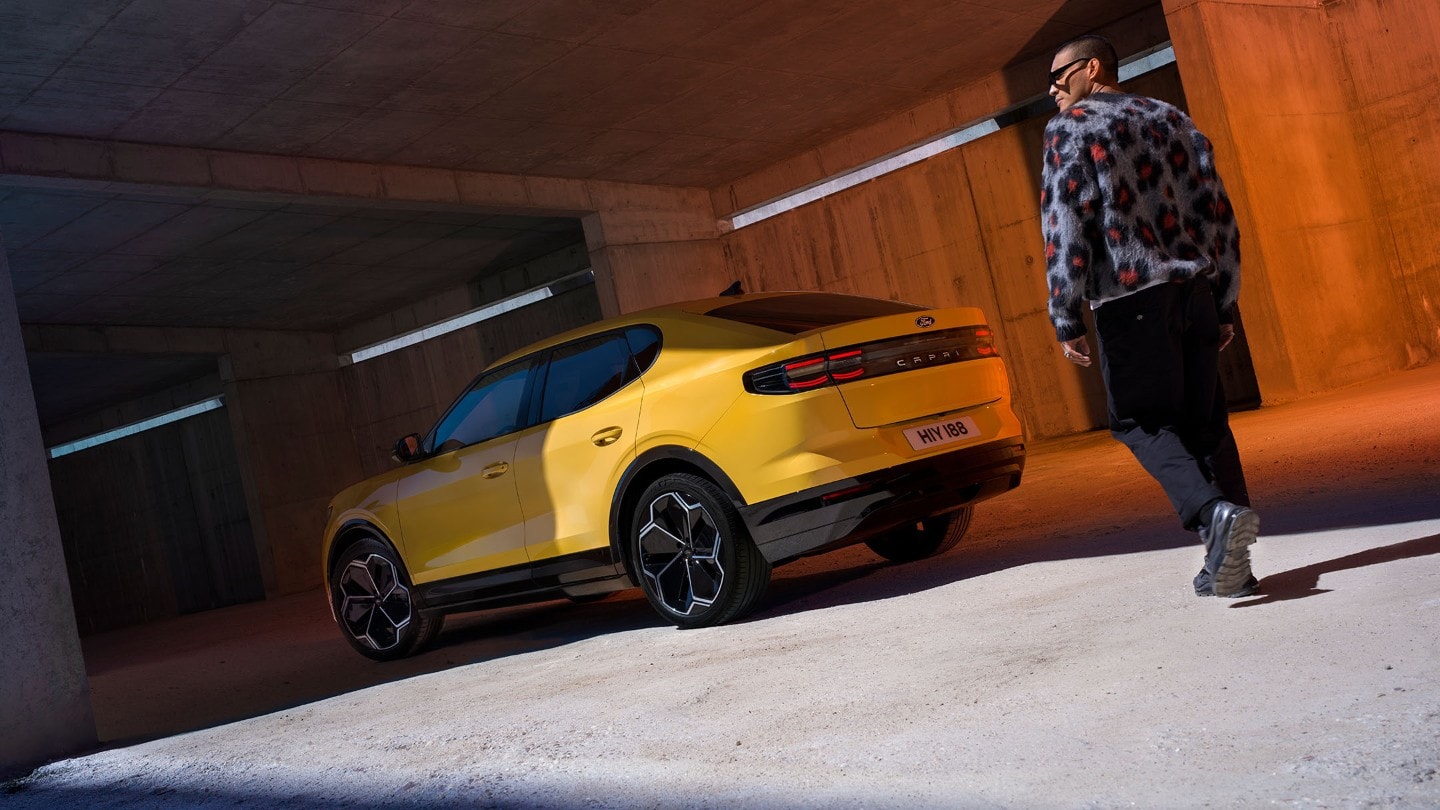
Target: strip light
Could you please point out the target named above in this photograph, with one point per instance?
(1137, 65)
(472, 317)
(153, 422)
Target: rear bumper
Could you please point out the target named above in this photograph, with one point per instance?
(852, 510)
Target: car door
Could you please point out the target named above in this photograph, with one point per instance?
(459, 507)
(568, 465)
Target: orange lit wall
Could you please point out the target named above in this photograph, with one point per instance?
(1327, 111)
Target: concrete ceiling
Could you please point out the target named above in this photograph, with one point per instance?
(671, 92)
(675, 92)
(94, 258)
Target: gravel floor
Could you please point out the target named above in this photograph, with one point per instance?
(1055, 659)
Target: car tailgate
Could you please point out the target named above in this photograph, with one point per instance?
(917, 365)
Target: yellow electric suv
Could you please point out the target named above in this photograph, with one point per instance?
(685, 449)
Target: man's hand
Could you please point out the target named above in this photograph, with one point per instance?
(1077, 351)
(1227, 334)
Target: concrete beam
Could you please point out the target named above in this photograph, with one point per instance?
(122, 339)
(110, 166)
(249, 353)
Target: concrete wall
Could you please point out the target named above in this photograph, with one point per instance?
(44, 696)
(156, 525)
(491, 287)
(1327, 112)
(1391, 54)
(286, 404)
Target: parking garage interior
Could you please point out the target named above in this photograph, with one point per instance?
(226, 206)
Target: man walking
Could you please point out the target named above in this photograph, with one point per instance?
(1136, 222)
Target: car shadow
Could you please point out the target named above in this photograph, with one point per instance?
(484, 636)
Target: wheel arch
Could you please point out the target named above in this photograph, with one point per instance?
(352, 532)
(644, 470)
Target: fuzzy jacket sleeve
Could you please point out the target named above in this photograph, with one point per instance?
(1069, 207)
(1222, 233)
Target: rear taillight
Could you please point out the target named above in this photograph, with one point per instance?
(805, 373)
(874, 359)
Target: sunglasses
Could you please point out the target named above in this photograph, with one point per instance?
(1058, 74)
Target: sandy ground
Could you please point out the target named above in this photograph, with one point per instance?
(1057, 658)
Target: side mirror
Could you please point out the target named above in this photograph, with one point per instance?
(407, 449)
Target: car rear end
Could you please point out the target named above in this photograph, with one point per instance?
(876, 414)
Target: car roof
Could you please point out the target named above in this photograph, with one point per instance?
(681, 310)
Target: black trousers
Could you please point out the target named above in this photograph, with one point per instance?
(1159, 355)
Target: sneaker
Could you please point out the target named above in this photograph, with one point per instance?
(1204, 587)
(1228, 535)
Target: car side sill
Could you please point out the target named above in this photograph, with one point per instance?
(527, 582)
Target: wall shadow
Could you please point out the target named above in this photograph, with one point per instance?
(223, 666)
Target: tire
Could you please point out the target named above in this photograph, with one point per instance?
(692, 554)
(375, 604)
(923, 538)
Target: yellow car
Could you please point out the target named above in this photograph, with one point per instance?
(686, 449)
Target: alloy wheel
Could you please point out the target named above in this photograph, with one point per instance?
(680, 553)
(375, 607)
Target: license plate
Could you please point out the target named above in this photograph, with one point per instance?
(937, 434)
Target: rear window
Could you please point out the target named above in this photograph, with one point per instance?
(801, 313)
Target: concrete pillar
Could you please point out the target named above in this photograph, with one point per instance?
(650, 246)
(1268, 81)
(44, 694)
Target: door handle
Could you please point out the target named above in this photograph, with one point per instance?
(495, 470)
(606, 436)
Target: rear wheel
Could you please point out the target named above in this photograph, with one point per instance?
(695, 560)
(375, 604)
(923, 538)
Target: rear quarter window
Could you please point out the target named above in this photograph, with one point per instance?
(585, 372)
(801, 313)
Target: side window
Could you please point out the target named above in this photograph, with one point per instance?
(644, 346)
(583, 373)
(490, 408)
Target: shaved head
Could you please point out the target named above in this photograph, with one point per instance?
(1092, 46)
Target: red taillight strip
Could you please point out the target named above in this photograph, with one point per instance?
(846, 359)
(803, 364)
(801, 385)
(874, 359)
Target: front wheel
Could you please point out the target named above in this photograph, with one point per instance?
(692, 554)
(923, 538)
(375, 605)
